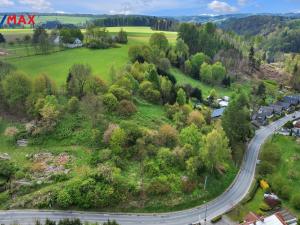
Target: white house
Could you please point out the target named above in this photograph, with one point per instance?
(76, 44)
(57, 40)
(223, 102)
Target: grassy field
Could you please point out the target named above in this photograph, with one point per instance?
(239, 212)
(184, 79)
(64, 19)
(57, 65)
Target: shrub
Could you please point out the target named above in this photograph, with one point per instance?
(7, 169)
(264, 207)
(113, 222)
(117, 140)
(296, 201)
(196, 118)
(16, 88)
(152, 95)
(110, 101)
(109, 131)
(285, 192)
(95, 85)
(265, 168)
(126, 108)
(181, 97)
(168, 136)
(119, 93)
(277, 183)
(216, 219)
(188, 185)
(4, 197)
(11, 131)
(159, 186)
(63, 199)
(73, 105)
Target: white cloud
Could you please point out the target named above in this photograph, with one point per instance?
(221, 7)
(5, 3)
(42, 5)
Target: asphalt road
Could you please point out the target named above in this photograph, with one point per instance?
(234, 194)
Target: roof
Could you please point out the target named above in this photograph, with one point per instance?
(277, 108)
(77, 41)
(251, 217)
(217, 112)
(284, 104)
(265, 110)
(293, 99)
(274, 219)
(223, 103)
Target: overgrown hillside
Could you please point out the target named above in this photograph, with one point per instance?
(132, 139)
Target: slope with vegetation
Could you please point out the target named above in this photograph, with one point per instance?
(132, 142)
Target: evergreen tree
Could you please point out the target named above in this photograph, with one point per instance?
(236, 120)
(2, 39)
(251, 58)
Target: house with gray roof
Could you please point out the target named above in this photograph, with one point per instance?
(217, 113)
(285, 105)
(278, 109)
(292, 99)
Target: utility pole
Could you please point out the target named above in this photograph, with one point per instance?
(205, 182)
(205, 214)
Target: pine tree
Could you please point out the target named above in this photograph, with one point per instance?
(251, 59)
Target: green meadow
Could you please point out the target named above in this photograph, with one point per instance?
(56, 65)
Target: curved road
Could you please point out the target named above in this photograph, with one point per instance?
(234, 194)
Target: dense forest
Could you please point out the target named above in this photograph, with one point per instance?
(155, 23)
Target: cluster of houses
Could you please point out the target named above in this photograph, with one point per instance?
(287, 104)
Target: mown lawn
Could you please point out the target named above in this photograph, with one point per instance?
(239, 212)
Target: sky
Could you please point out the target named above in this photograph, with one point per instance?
(152, 7)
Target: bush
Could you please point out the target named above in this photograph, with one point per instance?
(285, 192)
(126, 108)
(188, 185)
(195, 117)
(119, 93)
(152, 95)
(296, 201)
(73, 105)
(265, 168)
(216, 219)
(264, 207)
(7, 169)
(95, 85)
(110, 101)
(11, 131)
(63, 199)
(108, 132)
(168, 136)
(159, 186)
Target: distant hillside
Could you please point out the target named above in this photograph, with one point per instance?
(254, 25)
(209, 18)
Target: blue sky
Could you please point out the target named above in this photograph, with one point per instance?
(152, 7)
